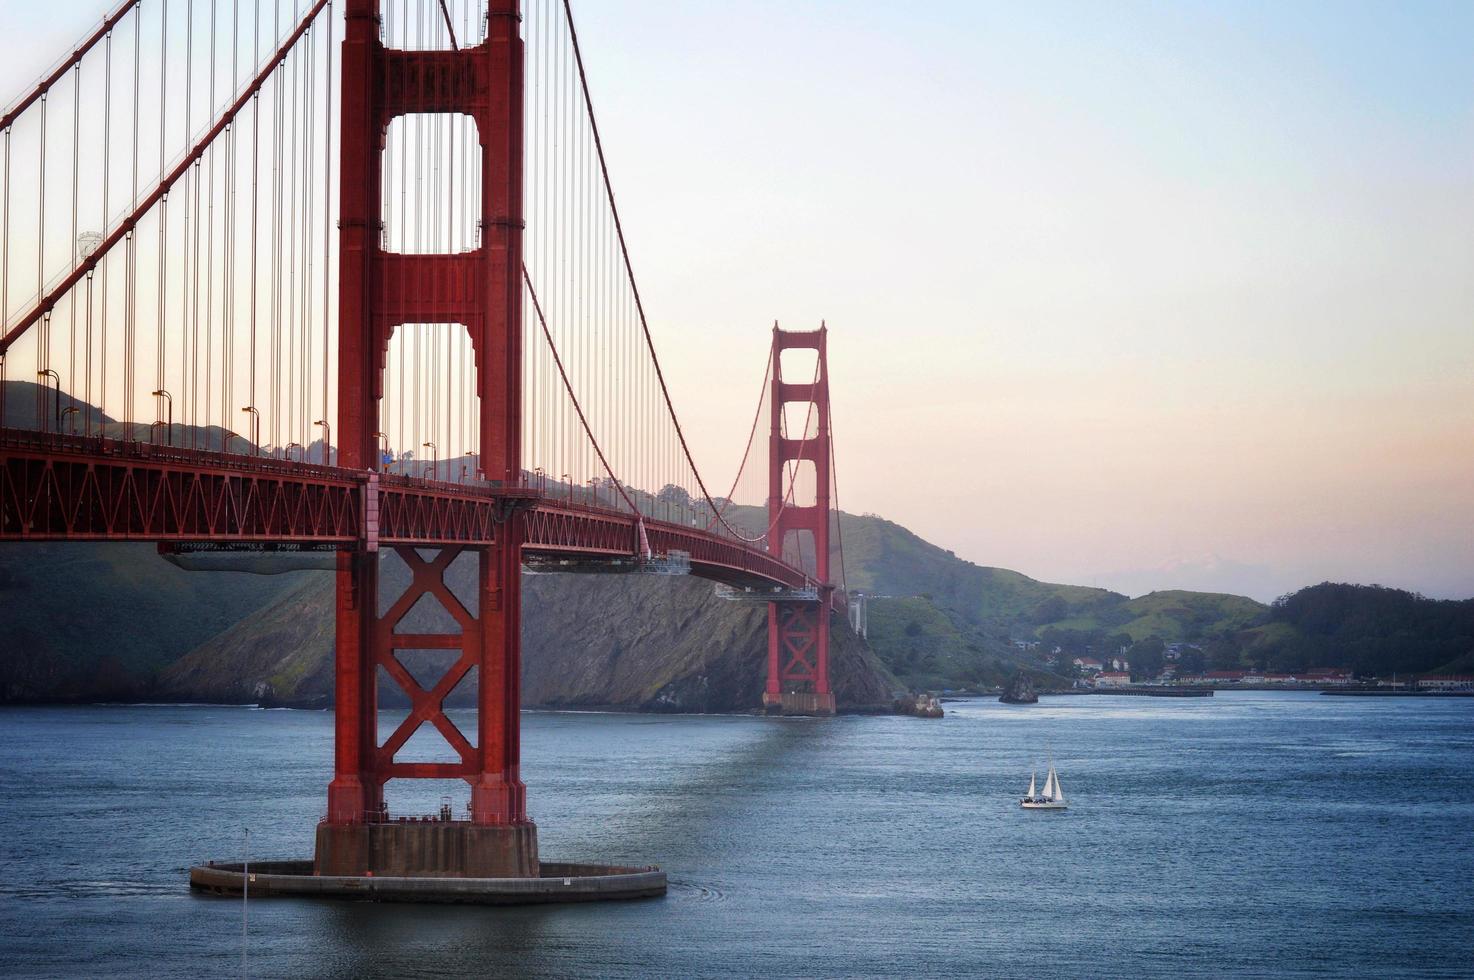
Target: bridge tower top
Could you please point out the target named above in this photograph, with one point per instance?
(787, 450)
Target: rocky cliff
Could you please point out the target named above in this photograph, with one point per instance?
(633, 642)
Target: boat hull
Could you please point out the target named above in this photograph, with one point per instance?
(1044, 806)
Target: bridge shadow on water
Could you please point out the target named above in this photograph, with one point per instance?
(685, 792)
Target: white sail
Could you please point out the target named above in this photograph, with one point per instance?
(1049, 784)
(1031, 786)
(1059, 791)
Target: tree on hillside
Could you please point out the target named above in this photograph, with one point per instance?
(1147, 657)
(1191, 661)
(1372, 629)
(1223, 654)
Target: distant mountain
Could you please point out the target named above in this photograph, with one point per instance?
(1171, 616)
(23, 405)
(1204, 573)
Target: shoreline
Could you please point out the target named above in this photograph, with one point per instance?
(316, 705)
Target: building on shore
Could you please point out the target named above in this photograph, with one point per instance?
(1446, 682)
(1317, 677)
(1113, 678)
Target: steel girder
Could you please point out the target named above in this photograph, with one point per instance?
(72, 488)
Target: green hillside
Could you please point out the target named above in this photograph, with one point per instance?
(1171, 616)
(940, 621)
(98, 621)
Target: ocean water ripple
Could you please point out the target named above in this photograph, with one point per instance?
(1253, 834)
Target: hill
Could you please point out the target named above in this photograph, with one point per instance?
(115, 621)
(93, 622)
(632, 642)
(1370, 628)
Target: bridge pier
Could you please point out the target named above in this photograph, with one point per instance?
(359, 835)
(798, 629)
(380, 291)
(798, 658)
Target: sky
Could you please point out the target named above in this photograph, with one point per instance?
(1132, 295)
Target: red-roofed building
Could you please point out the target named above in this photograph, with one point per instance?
(1113, 678)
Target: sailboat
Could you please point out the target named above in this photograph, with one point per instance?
(1053, 797)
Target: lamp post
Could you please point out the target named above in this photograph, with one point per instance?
(475, 462)
(169, 401)
(434, 458)
(568, 481)
(252, 411)
(70, 409)
(327, 438)
(49, 373)
(287, 451)
(594, 488)
(542, 480)
(383, 438)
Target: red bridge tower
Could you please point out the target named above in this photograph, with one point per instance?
(798, 626)
(378, 292)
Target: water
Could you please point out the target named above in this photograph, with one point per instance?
(1245, 835)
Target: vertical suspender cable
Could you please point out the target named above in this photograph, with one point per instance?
(327, 223)
(76, 159)
(107, 159)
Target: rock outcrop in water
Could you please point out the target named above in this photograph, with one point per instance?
(1020, 690)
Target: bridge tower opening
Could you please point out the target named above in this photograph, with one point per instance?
(478, 287)
(798, 626)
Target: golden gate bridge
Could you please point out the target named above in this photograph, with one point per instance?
(350, 277)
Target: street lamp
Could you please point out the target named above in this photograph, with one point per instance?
(327, 438)
(287, 451)
(475, 463)
(169, 400)
(542, 480)
(568, 481)
(68, 411)
(383, 438)
(594, 487)
(434, 458)
(49, 373)
(252, 411)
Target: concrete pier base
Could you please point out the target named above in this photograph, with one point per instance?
(554, 882)
(427, 849)
(799, 703)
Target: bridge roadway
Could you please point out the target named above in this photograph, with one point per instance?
(85, 488)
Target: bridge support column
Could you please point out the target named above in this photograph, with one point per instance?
(361, 836)
(798, 659)
(498, 795)
(798, 630)
(354, 791)
(380, 291)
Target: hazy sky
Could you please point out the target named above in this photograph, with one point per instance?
(1112, 287)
